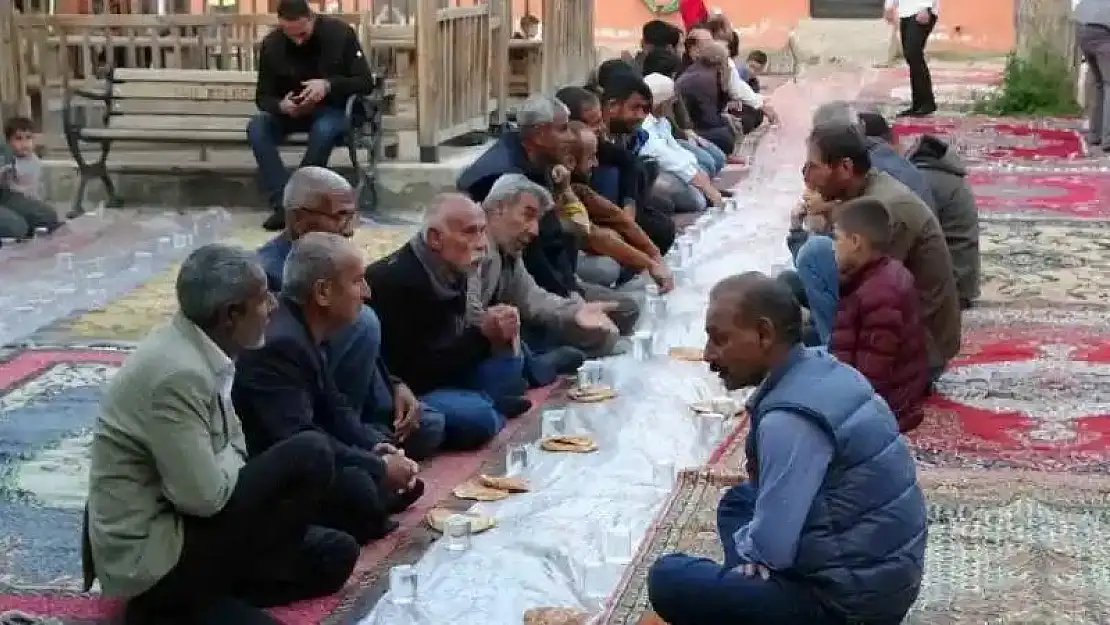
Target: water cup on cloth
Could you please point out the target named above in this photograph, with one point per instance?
(724, 405)
(516, 460)
(456, 532)
(680, 276)
(598, 374)
(64, 262)
(142, 262)
(553, 423)
(642, 345)
(662, 474)
(616, 543)
(164, 245)
(402, 584)
(657, 305)
(584, 378)
(711, 427)
(180, 241)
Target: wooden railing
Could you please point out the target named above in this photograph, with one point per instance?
(568, 52)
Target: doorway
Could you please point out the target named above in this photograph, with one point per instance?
(846, 9)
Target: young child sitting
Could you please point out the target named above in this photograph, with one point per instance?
(878, 328)
(21, 211)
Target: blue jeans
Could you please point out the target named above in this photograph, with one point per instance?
(326, 128)
(820, 278)
(355, 365)
(685, 590)
(710, 157)
(471, 420)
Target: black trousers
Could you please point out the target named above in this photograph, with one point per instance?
(260, 550)
(355, 504)
(914, 36)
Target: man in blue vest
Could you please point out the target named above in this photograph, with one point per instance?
(830, 527)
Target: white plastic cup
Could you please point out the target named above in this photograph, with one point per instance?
(642, 345)
(617, 544)
(662, 472)
(516, 460)
(403, 584)
(456, 532)
(553, 423)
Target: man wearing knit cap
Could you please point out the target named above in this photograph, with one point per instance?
(689, 186)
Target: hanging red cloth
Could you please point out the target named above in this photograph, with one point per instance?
(693, 12)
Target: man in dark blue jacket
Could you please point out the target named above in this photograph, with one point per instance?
(830, 527)
(307, 68)
(284, 388)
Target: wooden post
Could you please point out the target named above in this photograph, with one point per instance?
(13, 78)
(500, 61)
(428, 92)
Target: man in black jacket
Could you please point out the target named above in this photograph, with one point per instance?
(284, 388)
(307, 68)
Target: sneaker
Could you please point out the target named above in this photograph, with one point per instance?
(512, 407)
(563, 360)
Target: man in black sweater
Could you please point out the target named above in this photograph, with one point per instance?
(307, 69)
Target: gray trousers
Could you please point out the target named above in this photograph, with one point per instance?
(1094, 42)
(21, 214)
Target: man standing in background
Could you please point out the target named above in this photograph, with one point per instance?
(916, 19)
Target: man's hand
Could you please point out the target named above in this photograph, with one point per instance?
(314, 91)
(770, 113)
(384, 449)
(923, 16)
(594, 316)
(891, 15)
(751, 570)
(798, 214)
(498, 326)
(560, 178)
(662, 276)
(406, 412)
(289, 106)
(713, 196)
(399, 472)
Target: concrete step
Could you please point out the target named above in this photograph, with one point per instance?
(865, 42)
(181, 179)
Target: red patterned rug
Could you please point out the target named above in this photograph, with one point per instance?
(1077, 195)
(1029, 390)
(48, 404)
(983, 138)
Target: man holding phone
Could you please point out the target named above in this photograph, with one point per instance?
(308, 67)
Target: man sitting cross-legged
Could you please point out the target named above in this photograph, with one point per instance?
(551, 257)
(839, 169)
(830, 527)
(307, 68)
(320, 200)
(285, 388)
(616, 248)
(452, 301)
(179, 522)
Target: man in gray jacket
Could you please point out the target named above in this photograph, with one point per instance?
(956, 210)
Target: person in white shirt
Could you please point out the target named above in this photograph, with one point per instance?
(916, 19)
(678, 166)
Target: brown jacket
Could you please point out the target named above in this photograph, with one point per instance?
(918, 241)
(615, 233)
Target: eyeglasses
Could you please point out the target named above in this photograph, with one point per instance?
(342, 216)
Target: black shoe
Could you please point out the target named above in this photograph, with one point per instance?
(401, 501)
(275, 222)
(564, 360)
(923, 111)
(385, 528)
(512, 407)
(910, 112)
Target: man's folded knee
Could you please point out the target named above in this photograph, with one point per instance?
(258, 127)
(313, 452)
(667, 583)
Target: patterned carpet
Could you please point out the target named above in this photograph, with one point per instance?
(1014, 454)
(48, 403)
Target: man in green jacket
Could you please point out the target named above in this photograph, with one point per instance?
(178, 522)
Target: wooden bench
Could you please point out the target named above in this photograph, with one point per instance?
(202, 108)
